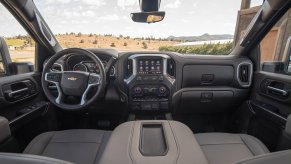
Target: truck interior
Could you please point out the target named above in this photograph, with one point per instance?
(96, 105)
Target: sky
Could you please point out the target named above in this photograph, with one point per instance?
(183, 17)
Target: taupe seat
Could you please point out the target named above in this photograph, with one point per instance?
(76, 146)
(225, 148)
(87, 146)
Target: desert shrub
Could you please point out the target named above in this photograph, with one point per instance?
(95, 41)
(205, 49)
(125, 44)
(79, 34)
(112, 45)
(144, 45)
(82, 41)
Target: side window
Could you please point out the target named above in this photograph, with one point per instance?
(275, 48)
(17, 47)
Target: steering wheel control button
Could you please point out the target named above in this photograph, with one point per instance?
(53, 77)
(94, 80)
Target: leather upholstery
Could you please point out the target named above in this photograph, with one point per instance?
(76, 146)
(124, 145)
(4, 129)
(281, 157)
(10, 158)
(225, 148)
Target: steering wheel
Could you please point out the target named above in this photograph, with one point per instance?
(73, 83)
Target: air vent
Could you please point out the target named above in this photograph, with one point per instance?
(171, 67)
(245, 74)
(129, 68)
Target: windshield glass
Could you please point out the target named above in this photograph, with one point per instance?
(192, 27)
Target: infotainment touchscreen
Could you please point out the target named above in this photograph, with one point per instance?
(149, 66)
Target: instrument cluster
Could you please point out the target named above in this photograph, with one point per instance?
(92, 67)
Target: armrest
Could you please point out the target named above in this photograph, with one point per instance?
(4, 129)
(282, 157)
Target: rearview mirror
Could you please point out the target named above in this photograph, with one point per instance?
(148, 17)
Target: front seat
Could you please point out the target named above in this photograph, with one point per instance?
(226, 148)
(77, 146)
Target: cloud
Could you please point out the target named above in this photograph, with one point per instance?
(110, 17)
(89, 13)
(95, 2)
(173, 5)
(126, 3)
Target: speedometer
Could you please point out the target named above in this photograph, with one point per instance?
(80, 67)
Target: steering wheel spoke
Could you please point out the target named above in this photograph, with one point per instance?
(55, 78)
(93, 80)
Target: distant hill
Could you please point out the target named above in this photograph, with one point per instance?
(204, 37)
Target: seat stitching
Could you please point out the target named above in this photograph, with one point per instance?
(74, 142)
(99, 146)
(246, 145)
(33, 143)
(222, 144)
(47, 143)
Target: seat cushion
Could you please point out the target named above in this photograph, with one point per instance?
(76, 146)
(225, 148)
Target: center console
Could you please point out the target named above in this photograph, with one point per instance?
(144, 142)
(150, 82)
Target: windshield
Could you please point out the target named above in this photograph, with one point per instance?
(193, 27)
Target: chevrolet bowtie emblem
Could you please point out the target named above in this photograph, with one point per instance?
(72, 78)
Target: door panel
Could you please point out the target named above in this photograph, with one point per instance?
(271, 104)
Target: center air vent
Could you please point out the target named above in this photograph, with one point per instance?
(129, 68)
(171, 67)
(244, 73)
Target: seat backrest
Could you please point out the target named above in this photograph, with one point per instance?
(11, 158)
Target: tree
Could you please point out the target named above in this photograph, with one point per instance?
(90, 35)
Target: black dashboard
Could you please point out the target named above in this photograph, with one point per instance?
(169, 82)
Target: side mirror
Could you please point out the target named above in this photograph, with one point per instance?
(20, 68)
(148, 17)
(287, 55)
(273, 66)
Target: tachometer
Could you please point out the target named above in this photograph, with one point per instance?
(80, 67)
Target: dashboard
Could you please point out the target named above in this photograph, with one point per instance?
(154, 82)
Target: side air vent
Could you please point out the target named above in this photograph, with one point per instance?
(129, 68)
(244, 74)
(171, 67)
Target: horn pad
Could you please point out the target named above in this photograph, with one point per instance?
(74, 83)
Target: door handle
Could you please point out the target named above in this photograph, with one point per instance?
(11, 94)
(281, 91)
